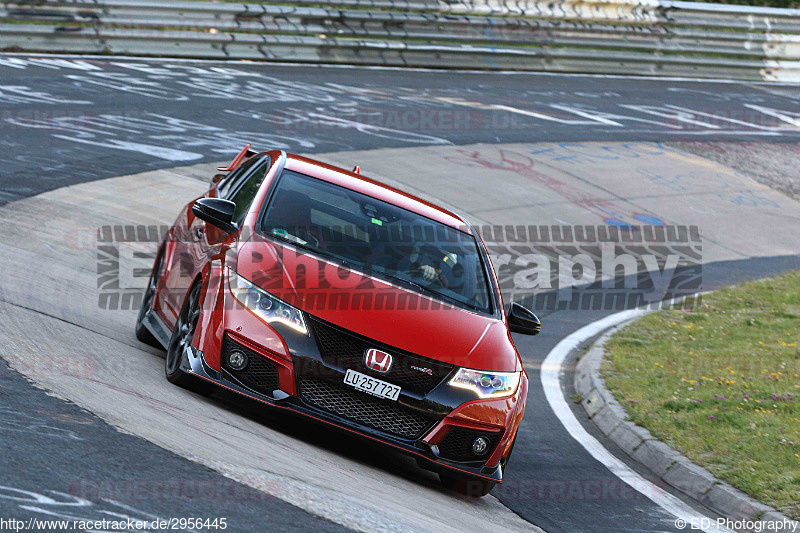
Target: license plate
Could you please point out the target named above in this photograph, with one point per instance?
(371, 385)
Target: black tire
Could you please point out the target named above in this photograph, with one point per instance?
(469, 487)
(142, 333)
(181, 337)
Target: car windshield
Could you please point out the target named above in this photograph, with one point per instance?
(379, 238)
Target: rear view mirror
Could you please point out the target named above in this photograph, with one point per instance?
(217, 212)
(522, 320)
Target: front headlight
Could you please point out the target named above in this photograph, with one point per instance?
(486, 384)
(264, 305)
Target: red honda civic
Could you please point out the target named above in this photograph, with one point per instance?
(315, 289)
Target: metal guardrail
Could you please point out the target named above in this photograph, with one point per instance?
(648, 37)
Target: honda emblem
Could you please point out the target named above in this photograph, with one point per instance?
(377, 360)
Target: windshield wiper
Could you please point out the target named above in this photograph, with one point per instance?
(320, 251)
(436, 293)
(304, 245)
(419, 286)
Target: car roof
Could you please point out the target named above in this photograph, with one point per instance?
(375, 189)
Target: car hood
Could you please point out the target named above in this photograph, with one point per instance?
(369, 306)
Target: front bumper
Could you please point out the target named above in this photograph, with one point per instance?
(425, 449)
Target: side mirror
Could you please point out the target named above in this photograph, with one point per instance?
(522, 320)
(217, 212)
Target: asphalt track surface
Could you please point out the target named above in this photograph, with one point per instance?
(66, 122)
(74, 120)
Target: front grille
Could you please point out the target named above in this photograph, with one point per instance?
(260, 374)
(343, 349)
(457, 444)
(377, 413)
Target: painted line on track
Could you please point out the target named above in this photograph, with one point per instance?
(552, 367)
(404, 69)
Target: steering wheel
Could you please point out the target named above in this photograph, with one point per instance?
(415, 271)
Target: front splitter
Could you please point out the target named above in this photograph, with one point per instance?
(193, 363)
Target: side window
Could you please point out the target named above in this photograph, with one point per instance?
(244, 194)
(234, 179)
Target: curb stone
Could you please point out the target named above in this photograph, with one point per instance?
(664, 462)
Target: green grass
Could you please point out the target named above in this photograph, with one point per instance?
(721, 383)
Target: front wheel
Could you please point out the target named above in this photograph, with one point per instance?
(466, 486)
(181, 339)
